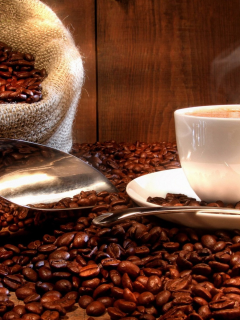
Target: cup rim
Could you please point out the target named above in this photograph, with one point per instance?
(183, 111)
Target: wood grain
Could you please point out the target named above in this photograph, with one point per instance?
(157, 56)
(153, 57)
(79, 17)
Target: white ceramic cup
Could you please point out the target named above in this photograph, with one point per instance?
(209, 151)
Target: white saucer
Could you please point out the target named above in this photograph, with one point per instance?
(158, 184)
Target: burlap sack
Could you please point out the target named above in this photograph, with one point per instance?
(32, 27)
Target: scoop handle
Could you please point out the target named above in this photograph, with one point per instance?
(111, 218)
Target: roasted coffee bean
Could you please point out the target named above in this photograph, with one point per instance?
(84, 301)
(116, 313)
(45, 273)
(50, 296)
(91, 270)
(55, 306)
(63, 286)
(146, 299)
(162, 297)
(12, 281)
(34, 307)
(31, 316)
(91, 283)
(50, 315)
(47, 248)
(129, 296)
(20, 310)
(4, 291)
(10, 315)
(125, 306)
(107, 301)
(95, 308)
(59, 255)
(65, 302)
(43, 287)
(102, 290)
(72, 295)
(117, 292)
(115, 277)
(35, 297)
(30, 274)
(154, 284)
(127, 282)
(23, 292)
(80, 239)
(128, 267)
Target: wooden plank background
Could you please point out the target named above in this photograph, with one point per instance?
(79, 17)
(145, 59)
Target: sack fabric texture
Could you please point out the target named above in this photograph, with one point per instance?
(29, 26)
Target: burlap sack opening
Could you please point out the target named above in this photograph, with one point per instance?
(32, 27)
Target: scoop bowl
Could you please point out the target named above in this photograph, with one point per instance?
(35, 174)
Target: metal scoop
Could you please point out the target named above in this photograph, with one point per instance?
(111, 218)
(34, 174)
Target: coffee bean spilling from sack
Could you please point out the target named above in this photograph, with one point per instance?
(20, 81)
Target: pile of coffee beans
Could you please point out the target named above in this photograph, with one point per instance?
(20, 81)
(101, 201)
(14, 218)
(140, 269)
(137, 269)
(123, 162)
(172, 199)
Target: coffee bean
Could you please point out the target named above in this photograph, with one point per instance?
(84, 301)
(23, 292)
(102, 290)
(128, 267)
(80, 239)
(9, 71)
(125, 306)
(95, 308)
(35, 297)
(117, 292)
(31, 316)
(30, 274)
(43, 287)
(12, 281)
(10, 315)
(20, 310)
(45, 273)
(146, 299)
(34, 307)
(154, 284)
(50, 296)
(91, 283)
(129, 296)
(63, 286)
(50, 315)
(89, 271)
(116, 313)
(107, 301)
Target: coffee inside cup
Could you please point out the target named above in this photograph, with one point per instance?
(215, 113)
